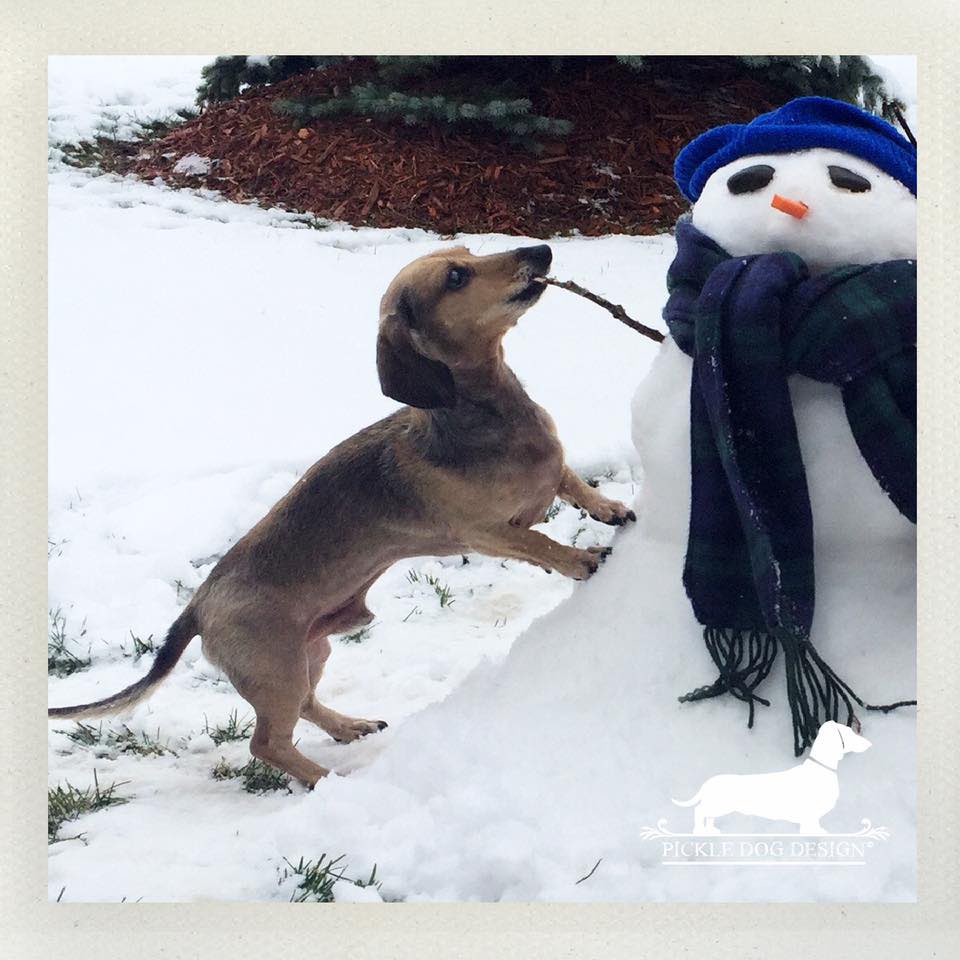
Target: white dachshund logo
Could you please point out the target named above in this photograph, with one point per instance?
(802, 795)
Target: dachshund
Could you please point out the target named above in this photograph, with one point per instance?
(468, 464)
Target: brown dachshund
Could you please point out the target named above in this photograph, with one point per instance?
(469, 465)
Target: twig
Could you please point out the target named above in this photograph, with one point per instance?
(613, 308)
(903, 123)
(590, 874)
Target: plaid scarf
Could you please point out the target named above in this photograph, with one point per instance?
(748, 323)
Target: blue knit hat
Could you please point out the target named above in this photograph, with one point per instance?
(799, 125)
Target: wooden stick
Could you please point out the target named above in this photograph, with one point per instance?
(903, 123)
(588, 876)
(613, 308)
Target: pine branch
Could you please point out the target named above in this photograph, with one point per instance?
(512, 117)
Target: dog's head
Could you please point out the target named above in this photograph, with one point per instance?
(448, 311)
(836, 739)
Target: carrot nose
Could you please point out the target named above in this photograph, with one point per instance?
(796, 208)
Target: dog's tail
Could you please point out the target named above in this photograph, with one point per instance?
(184, 629)
(688, 803)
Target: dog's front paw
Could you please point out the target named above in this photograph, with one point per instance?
(583, 564)
(611, 512)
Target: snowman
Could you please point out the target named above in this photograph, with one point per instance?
(574, 742)
(792, 360)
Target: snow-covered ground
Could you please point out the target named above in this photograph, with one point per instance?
(202, 354)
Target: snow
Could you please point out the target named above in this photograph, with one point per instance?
(192, 164)
(344, 891)
(171, 299)
(202, 354)
(115, 95)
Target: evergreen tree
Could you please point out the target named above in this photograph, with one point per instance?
(494, 92)
(228, 76)
(844, 78)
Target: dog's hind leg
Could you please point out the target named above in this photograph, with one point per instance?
(277, 705)
(273, 743)
(274, 679)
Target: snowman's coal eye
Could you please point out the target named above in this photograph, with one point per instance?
(848, 180)
(751, 179)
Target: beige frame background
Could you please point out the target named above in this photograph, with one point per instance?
(34, 927)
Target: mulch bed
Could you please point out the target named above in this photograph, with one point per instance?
(612, 174)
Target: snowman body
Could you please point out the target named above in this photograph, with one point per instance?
(868, 218)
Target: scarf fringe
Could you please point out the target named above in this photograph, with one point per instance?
(727, 648)
(814, 690)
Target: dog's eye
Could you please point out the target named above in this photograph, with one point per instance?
(457, 278)
(751, 179)
(848, 180)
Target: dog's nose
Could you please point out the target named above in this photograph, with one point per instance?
(539, 257)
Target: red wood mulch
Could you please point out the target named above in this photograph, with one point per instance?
(612, 174)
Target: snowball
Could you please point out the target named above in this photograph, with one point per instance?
(192, 164)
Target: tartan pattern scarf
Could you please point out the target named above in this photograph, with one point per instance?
(749, 323)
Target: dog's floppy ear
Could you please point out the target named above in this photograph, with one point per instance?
(406, 374)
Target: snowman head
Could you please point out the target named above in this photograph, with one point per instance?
(817, 177)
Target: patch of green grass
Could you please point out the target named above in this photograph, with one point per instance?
(61, 660)
(317, 879)
(358, 637)
(152, 129)
(443, 592)
(183, 591)
(111, 154)
(86, 734)
(65, 803)
(234, 729)
(140, 647)
(105, 152)
(257, 776)
(140, 743)
(553, 510)
(313, 222)
(112, 742)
